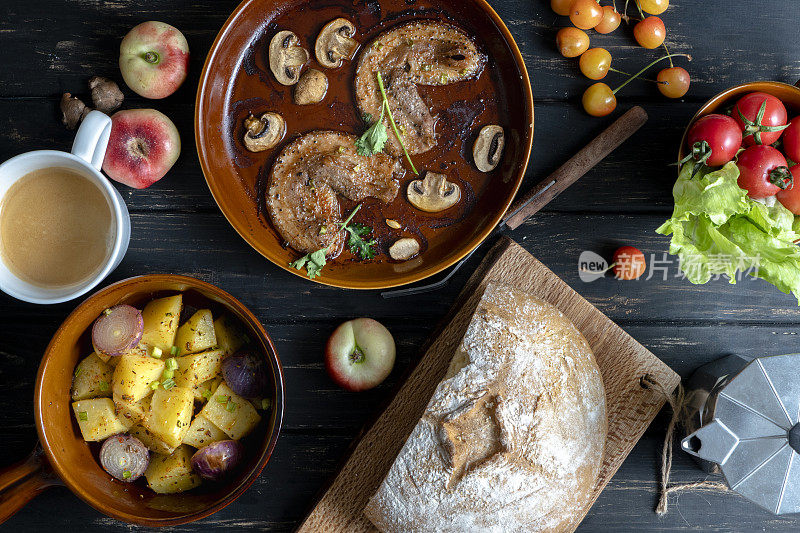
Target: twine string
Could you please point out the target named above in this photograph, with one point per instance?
(677, 403)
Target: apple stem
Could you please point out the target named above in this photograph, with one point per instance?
(151, 57)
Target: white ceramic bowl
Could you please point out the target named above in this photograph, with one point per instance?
(86, 158)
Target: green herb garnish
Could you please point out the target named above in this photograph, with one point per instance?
(171, 364)
(358, 246)
(126, 474)
(78, 371)
(173, 351)
(104, 385)
(168, 373)
(156, 352)
(374, 139)
(266, 403)
(230, 407)
(313, 263)
(168, 384)
(154, 385)
(392, 122)
(83, 415)
(207, 394)
(222, 399)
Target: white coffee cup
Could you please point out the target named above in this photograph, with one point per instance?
(86, 158)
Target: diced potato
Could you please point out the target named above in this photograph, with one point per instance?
(92, 379)
(153, 443)
(202, 433)
(196, 368)
(197, 333)
(161, 318)
(132, 413)
(97, 419)
(230, 412)
(229, 337)
(204, 391)
(133, 376)
(168, 474)
(170, 414)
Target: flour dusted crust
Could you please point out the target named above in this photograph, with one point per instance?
(513, 437)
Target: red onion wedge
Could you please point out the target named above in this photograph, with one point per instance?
(117, 330)
(124, 457)
(217, 459)
(246, 374)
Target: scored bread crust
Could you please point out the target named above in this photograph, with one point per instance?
(523, 401)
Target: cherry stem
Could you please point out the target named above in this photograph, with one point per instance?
(640, 9)
(628, 74)
(647, 67)
(671, 64)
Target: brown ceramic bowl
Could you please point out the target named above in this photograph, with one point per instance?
(236, 81)
(67, 458)
(788, 94)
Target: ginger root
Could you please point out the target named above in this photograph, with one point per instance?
(73, 110)
(106, 95)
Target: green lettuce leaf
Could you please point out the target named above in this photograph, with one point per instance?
(718, 230)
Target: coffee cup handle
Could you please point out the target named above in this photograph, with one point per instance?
(92, 138)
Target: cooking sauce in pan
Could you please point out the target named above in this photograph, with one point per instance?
(461, 108)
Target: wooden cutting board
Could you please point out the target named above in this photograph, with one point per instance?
(623, 362)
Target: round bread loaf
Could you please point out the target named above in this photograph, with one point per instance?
(513, 437)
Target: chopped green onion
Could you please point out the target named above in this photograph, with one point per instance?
(83, 415)
(107, 312)
(172, 364)
(167, 374)
(126, 474)
(230, 407)
(168, 384)
(154, 385)
(78, 371)
(103, 385)
(207, 394)
(156, 352)
(222, 399)
(173, 351)
(266, 403)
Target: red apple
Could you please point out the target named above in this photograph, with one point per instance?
(154, 59)
(144, 145)
(359, 354)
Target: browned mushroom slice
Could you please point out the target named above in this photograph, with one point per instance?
(263, 133)
(488, 148)
(335, 43)
(286, 57)
(434, 193)
(306, 178)
(417, 53)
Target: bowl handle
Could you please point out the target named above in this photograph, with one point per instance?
(20, 482)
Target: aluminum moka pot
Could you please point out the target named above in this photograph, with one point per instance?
(743, 417)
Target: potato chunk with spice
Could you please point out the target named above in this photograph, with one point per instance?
(97, 419)
(197, 368)
(202, 433)
(168, 474)
(170, 414)
(133, 376)
(153, 443)
(197, 333)
(230, 412)
(229, 336)
(161, 321)
(92, 379)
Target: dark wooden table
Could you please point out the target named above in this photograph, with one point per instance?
(48, 47)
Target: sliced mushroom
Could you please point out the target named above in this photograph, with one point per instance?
(311, 88)
(488, 148)
(263, 133)
(404, 249)
(286, 57)
(335, 43)
(434, 193)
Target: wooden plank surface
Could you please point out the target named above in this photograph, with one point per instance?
(623, 364)
(50, 47)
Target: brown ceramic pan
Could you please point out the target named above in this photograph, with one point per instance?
(788, 94)
(236, 81)
(64, 458)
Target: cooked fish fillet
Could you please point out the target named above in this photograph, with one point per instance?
(306, 178)
(418, 53)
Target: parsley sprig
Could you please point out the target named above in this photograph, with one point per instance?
(374, 139)
(365, 249)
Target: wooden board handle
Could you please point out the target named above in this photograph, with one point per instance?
(578, 165)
